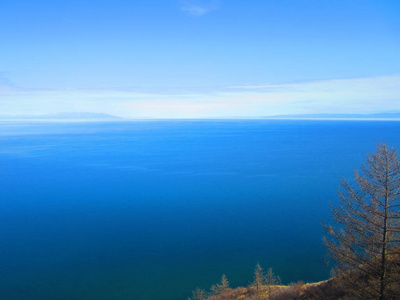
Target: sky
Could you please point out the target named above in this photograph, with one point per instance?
(199, 58)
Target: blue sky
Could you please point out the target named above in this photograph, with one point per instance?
(199, 58)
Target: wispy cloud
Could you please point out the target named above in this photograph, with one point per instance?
(356, 95)
(4, 80)
(198, 7)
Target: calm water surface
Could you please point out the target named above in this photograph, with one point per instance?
(151, 210)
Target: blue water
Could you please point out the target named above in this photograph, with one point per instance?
(151, 210)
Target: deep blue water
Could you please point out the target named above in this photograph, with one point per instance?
(151, 210)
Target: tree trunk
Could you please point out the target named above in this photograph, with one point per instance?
(382, 292)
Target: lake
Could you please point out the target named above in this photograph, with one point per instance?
(153, 209)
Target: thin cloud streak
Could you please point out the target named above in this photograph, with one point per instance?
(357, 95)
(198, 7)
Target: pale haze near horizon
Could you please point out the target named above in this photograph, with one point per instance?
(199, 59)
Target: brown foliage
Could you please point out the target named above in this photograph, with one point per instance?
(368, 226)
(365, 244)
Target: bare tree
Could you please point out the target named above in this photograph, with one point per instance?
(271, 279)
(220, 287)
(259, 278)
(367, 230)
(198, 294)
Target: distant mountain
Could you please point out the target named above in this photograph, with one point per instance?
(64, 116)
(339, 116)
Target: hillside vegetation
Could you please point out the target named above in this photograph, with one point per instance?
(364, 243)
